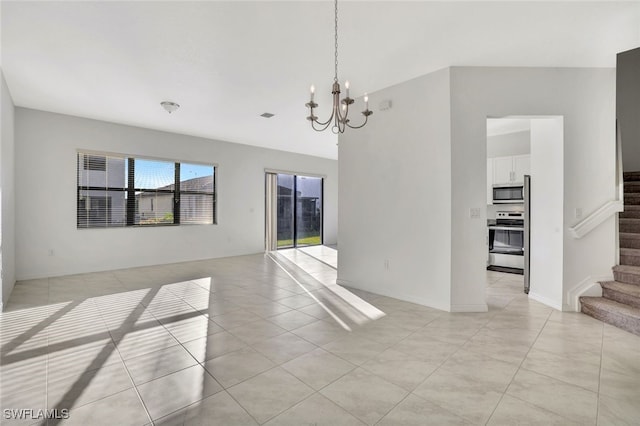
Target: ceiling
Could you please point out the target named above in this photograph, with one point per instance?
(226, 63)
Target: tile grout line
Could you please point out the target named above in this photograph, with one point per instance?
(519, 368)
(430, 374)
(461, 347)
(133, 385)
(600, 375)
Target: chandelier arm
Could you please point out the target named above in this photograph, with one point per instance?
(366, 118)
(322, 127)
(325, 122)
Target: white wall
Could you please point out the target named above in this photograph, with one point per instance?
(46, 147)
(7, 189)
(407, 191)
(547, 197)
(509, 144)
(395, 195)
(586, 100)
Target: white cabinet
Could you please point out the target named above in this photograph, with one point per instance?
(521, 167)
(511, 170)
(502, 170)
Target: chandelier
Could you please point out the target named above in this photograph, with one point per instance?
(338, 120)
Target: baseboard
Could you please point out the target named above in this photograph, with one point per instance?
(588, 287)
(420, 301)
(545, 301)
(342, 282)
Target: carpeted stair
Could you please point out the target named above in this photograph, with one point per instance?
(620, 301)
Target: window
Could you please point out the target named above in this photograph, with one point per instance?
(118, 191)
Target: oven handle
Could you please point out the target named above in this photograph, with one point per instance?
(507, 228)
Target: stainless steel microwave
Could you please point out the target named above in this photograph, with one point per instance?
(504, 194)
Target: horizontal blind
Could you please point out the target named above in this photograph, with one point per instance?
(117, 191)
(197, 194)
(102, 191)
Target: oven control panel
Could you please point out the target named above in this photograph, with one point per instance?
(517, 215)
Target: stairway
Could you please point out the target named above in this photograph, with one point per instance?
(620, 301)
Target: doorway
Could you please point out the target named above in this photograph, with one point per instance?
(518, 146)
(293, 210)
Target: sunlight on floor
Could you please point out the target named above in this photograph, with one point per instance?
(262, 338)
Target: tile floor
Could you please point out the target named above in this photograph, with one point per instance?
(268, 339)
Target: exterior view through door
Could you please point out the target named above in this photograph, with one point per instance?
(294, 210)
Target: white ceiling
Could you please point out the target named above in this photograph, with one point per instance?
(228, 62)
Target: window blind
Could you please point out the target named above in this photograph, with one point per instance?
(117, 191)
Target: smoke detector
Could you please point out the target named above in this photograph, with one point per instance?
(169, 106)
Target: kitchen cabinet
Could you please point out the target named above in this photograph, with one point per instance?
(521, 167)
(511, 170)
(502, 170)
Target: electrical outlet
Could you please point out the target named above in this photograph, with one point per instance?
(386, 264)
(474, 213)
(579, 213)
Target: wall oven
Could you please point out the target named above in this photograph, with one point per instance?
(503, 194)
(506, 241)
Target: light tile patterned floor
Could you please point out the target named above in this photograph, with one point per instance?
(269, 339)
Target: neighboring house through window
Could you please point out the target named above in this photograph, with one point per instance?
(117, 190)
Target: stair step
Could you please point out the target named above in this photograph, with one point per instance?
(630, 176)
(629, 225)
(627, 294)
(630, 211)
(632, 186)
(627, 274)
(630, 256)
(612, 312)
(632, 198)
(629, 240)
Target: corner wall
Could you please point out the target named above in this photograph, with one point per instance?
(7, 189)
(585, 97)
(413, 183)
(46, 145)
(395, 195)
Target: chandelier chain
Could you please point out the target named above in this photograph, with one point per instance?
(336, 38)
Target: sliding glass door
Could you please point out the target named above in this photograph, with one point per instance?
(308, 223)
(286, 202)
(294, 211)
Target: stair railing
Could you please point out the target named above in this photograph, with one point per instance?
(610, 207)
